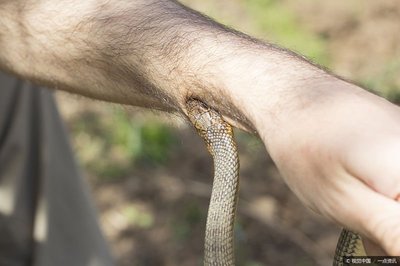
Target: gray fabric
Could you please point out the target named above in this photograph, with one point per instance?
(46, 217)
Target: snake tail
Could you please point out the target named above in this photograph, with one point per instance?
(218, 136)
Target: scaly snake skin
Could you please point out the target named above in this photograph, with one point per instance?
(218, 135)
(349, 244)
(219, 241)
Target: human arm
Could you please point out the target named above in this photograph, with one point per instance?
(153, 53)
(317, 127)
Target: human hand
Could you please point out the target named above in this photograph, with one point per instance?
(339, 152)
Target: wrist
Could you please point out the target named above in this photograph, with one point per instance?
(322, 114)
(253, 84)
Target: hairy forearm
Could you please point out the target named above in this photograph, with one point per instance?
(154, 54)
(87, 47)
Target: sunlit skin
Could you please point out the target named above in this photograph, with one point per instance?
(336, 145)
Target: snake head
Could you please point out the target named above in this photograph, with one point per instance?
(209, 124)
(203, 117)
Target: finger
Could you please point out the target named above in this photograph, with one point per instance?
(373, 215)
(373, 249)
(378, 165)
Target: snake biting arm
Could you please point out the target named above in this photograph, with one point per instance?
(336, 145)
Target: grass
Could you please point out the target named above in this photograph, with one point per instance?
(110, 146)
(278, 24)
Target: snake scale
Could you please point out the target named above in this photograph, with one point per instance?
(218, 135)
(219, 236)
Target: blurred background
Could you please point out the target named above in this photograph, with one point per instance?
(151, 176)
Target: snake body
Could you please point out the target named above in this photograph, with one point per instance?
(219, 237)
(218, 136)
(349, 244)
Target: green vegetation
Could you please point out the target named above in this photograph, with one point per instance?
(270, 20)
(387, 81)
(137, 217)
(193, 215)
(111, 145)
(280, 25)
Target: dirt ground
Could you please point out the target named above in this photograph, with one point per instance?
(155, 214)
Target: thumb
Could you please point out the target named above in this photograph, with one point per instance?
(374, 216)
(377, 165)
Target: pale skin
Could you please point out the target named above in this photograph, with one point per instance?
(336, 145)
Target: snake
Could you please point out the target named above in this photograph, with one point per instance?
(219, 249)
